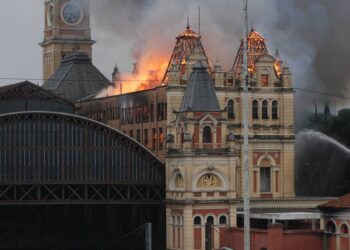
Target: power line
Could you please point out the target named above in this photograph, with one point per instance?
(312, 91)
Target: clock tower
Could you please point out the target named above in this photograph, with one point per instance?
(67, 30)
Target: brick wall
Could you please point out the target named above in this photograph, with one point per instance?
(275, 238)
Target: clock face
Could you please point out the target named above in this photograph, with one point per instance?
(71, 13)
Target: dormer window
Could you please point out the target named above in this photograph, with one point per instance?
(264, 80)
(207, 135)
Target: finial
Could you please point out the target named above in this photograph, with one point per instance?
(277, 53)
(188, 21)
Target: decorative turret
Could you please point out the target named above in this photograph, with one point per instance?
(218, 75)
(286, 76)
(115, 74)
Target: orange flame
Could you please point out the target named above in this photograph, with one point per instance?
(151, 70)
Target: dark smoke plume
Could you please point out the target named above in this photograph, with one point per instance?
(311, 34)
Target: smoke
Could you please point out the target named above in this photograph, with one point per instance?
(310, 34)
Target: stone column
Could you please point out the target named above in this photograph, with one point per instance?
(188, 228)
(168, 228)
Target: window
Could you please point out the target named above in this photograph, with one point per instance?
(138, 135)
(275, 110)
(152, 112)
(330, 227)
(145, 137)
(131, 133)
(223, 220)
(161, 138)
(210, 220)
(197, 220)
(265, 180)
(154, 138)
(265, 110)
(264, 80)
(255, 109)
(230, 109)
(207, 135)
(344, 229)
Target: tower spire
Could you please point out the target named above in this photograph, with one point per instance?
(188, 21)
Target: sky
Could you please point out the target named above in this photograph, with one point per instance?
(311, 34)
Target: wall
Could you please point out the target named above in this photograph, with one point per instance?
(275, 238)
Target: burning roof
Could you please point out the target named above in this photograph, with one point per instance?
(256, 48)
(186, 43)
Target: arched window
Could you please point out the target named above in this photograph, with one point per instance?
(265, 179)
(223, 220)
(330, 227)
(344, 229)
(230, 109)
(207, 136)
(197, 220)
(265, 110)
(210, 220)
(274, 110)
(255, 109)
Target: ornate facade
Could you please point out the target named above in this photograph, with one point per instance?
(193, 122)
(205, 144)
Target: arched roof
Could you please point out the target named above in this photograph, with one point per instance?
(48, 147)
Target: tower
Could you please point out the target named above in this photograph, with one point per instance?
(67, 30)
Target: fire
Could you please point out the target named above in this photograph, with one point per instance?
(278, 68)
(149, 74)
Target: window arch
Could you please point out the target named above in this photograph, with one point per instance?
(330, 227)
(231, 109)
(274, 110)
(265, 110)
(255, 110)
(209, 181)
(223, 220)
(210, 220)
(344, 229)
(207, 135)
(179, 181)
(197, 220)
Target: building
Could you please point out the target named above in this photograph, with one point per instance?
(67, 30)
(193, 123)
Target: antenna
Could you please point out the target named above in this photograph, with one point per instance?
(199, 19)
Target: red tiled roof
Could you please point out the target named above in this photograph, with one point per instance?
(342, 202)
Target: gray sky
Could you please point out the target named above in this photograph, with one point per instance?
(22, 25)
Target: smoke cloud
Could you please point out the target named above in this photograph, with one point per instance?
(310, 34)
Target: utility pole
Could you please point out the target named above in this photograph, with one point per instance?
(246, 180)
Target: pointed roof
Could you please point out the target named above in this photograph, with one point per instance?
(186, 43)
(76, 78)
(256, 48)
(200, 93)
